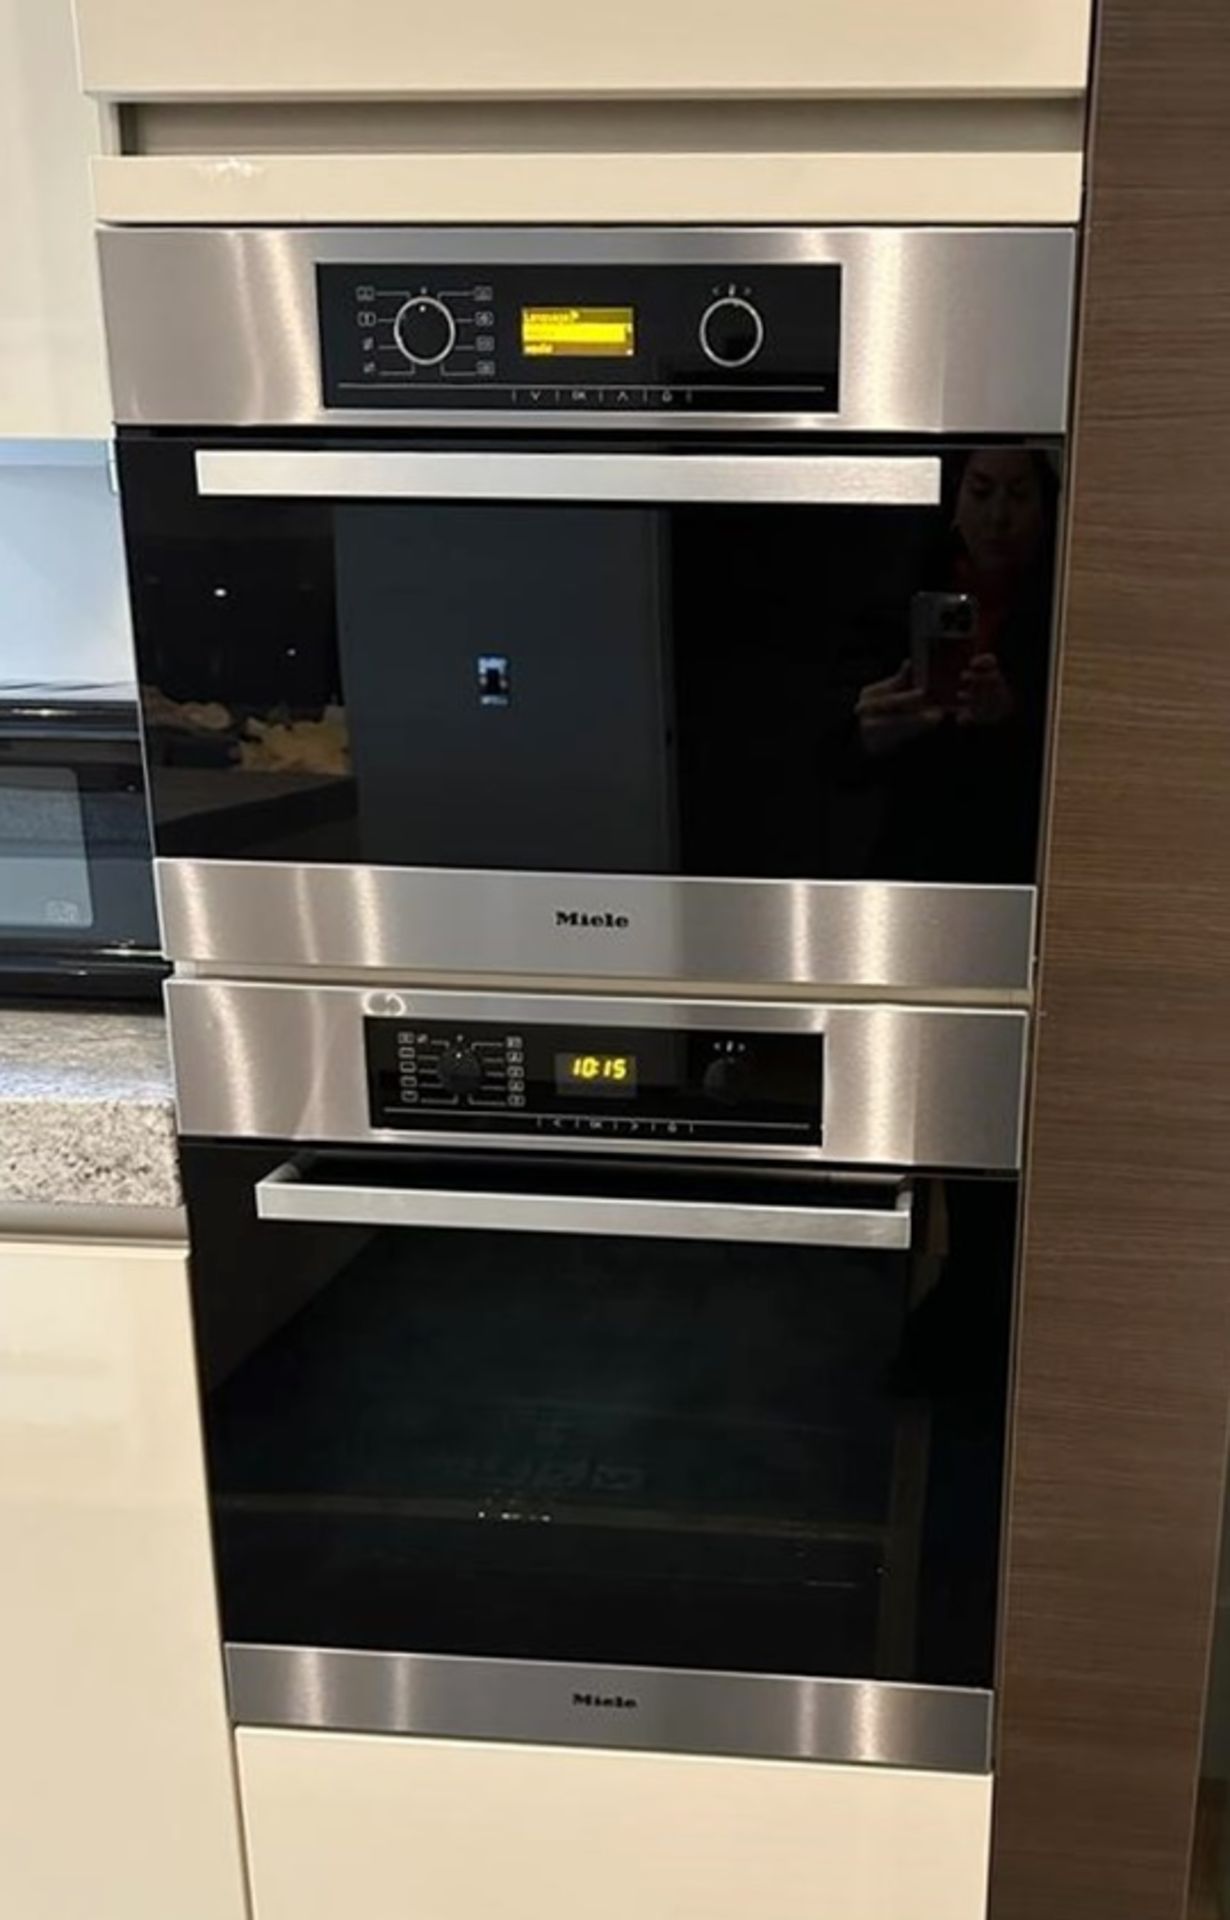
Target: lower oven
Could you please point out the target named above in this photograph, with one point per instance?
(606, 1373)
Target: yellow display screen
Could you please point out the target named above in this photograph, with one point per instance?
(580, 333)
(605, 1075)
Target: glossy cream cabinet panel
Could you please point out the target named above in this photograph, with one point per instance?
(118, 1795)
(53, 382)
(135, 49)
(1020, 187)
(383, 1829)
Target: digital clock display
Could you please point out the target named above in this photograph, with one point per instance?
(604, 1076)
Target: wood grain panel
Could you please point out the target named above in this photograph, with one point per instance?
(1124, 1344)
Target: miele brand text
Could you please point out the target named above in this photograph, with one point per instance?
(565, 917)
(620, 1700)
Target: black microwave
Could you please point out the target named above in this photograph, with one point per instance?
(77, 914)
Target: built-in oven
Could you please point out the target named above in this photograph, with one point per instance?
(657, 606)
(621, 1371)
(595, 693)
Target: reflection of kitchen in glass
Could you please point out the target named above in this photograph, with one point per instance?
(717, 691)
(570, 767)
(241, 703)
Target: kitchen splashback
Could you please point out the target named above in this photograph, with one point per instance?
(62, 590)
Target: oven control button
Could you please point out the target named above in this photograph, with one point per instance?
(726, 1079)
(731, 332)
(425, 331)
(460, 1070)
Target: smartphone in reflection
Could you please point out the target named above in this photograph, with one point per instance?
(943, 641)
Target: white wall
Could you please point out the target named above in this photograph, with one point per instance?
(63, 608)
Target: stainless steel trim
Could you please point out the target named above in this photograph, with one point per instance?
(672, 479)
(944, 329)
(768, 1716)
(287, 1194)
(904, 1086)
(883, 936)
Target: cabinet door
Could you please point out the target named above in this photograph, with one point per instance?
(383, 1829)
(132, 49)
(53, 382)
(118, 1800)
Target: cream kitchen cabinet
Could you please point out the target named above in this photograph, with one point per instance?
(145, 49)
(800, 111)
(53, 381)
(117, 1796)
(400, 1829)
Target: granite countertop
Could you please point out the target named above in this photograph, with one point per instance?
(86, 1117)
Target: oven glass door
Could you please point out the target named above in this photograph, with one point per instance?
(819, 661)
(643, 1418)
(75, 872)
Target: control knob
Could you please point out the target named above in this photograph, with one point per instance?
(460, 1069)
(425, 331)
(731, 332)
(726, 1079)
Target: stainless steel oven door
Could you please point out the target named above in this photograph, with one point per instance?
(639, 714)
(606, 1453)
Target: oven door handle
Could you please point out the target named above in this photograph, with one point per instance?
(287, 1195)
(648, 479)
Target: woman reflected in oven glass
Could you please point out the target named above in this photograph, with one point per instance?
(950, 722)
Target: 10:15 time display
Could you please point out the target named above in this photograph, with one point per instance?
(604, 1075)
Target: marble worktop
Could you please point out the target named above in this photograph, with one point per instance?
(86, 1116)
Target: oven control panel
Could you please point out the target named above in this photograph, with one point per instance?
(647, 1085)
(612, 340)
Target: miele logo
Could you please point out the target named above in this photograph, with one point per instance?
(566, 917)
(622, 1701)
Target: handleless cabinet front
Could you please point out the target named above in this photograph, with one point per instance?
(132, 50)
(118, 1796)
(447, 1830)
(53, 380)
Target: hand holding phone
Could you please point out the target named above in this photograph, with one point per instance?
(893, 712)
(943, 642)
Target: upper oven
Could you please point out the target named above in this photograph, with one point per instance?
(657, 606)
